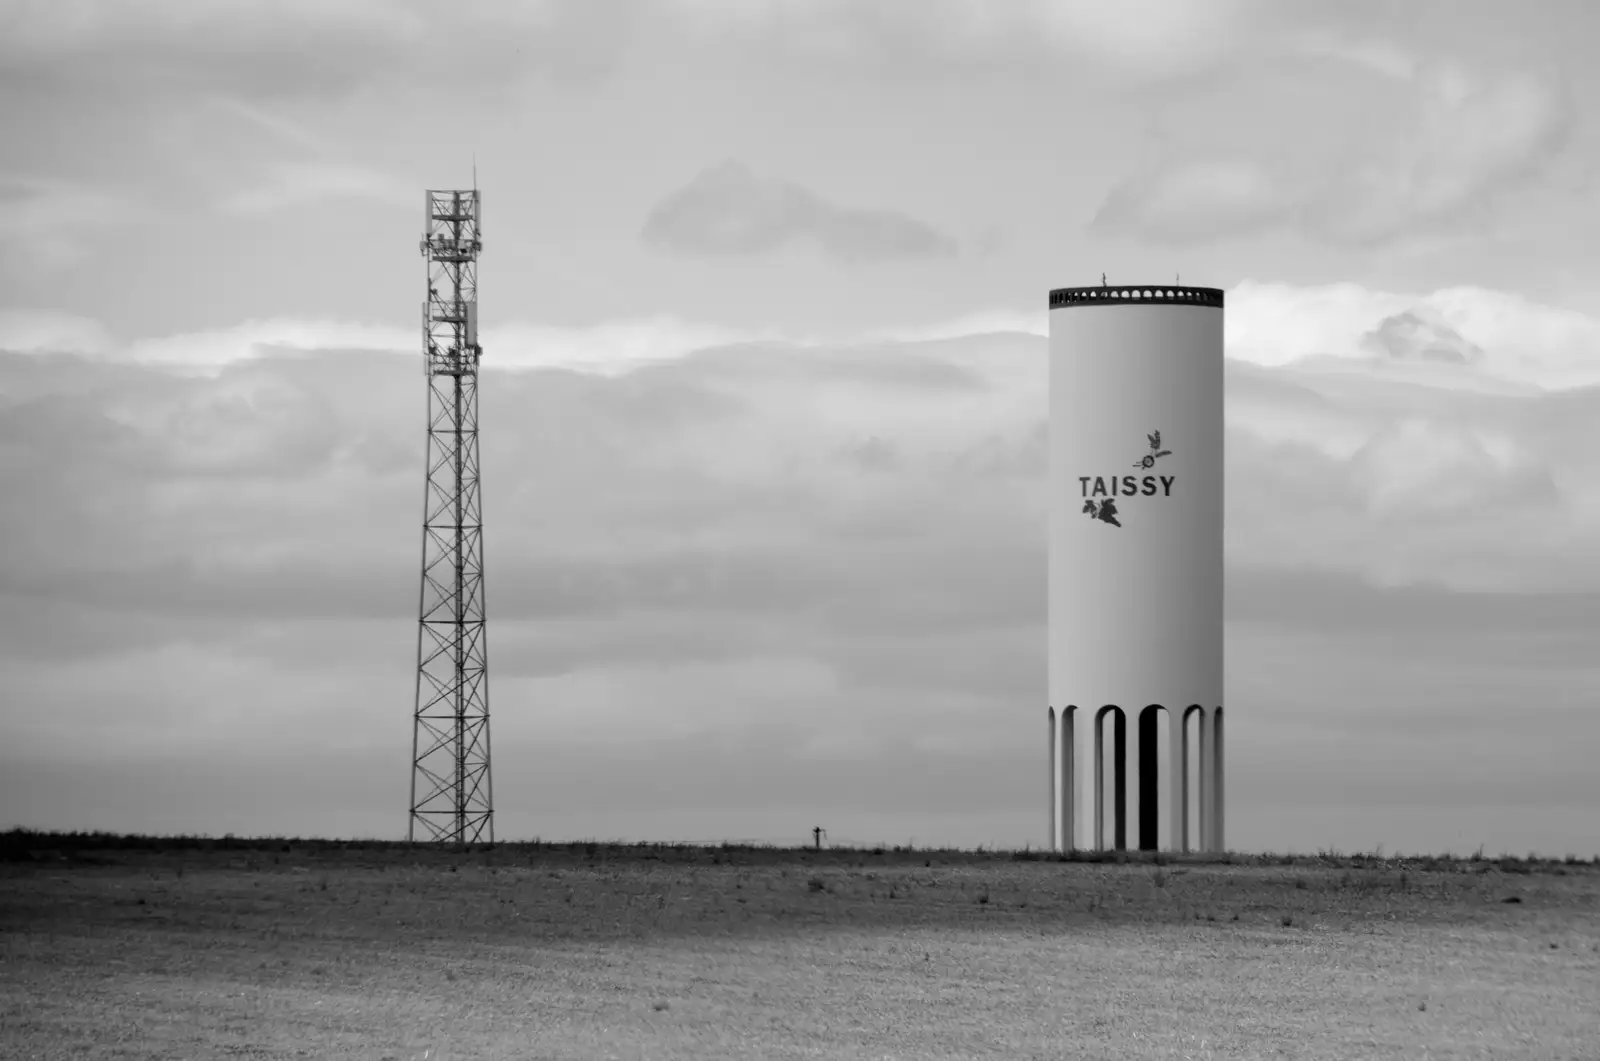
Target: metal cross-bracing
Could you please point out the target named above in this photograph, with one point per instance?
(451, 793)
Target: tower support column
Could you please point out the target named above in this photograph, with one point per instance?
(1178, 780)
(1207, 785)
(1218, 840)
(1054, 835)
(1067, 756)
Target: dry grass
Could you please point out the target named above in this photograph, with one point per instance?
(123, 948)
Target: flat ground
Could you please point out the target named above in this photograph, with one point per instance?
(128, 948)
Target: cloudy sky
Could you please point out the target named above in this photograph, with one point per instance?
(763, 302)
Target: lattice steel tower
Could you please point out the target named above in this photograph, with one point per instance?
(450, 736)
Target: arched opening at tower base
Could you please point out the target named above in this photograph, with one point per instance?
(1155, 749)
(1111, 779)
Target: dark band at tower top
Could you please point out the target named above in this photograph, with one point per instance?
(1142, 295)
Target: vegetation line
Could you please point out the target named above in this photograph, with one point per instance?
(20, 844)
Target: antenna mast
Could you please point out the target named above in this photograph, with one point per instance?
(451, 795)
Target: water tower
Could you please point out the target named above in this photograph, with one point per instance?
(1136, 476)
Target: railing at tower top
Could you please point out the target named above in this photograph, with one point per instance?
(1159, 294)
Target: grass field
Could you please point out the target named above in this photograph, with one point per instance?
(115, 947)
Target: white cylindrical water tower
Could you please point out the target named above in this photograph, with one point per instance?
(1136, 478)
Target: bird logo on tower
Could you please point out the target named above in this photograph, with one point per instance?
(1100, 492)
(1149, 459)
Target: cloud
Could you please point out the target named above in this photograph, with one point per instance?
(1477, 137)
(51, 223)
(43, 332)
(823, 562)
(1421, 334)
(254, 50)
(1468, 141)
(716, 492)
(613, 348)
(297, 50)
(1195, 202)
(1516, 345)
(281, 128)
(1378, 56)
(1143, 37)
(297, 185)
(728, 211)
(293, 167)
